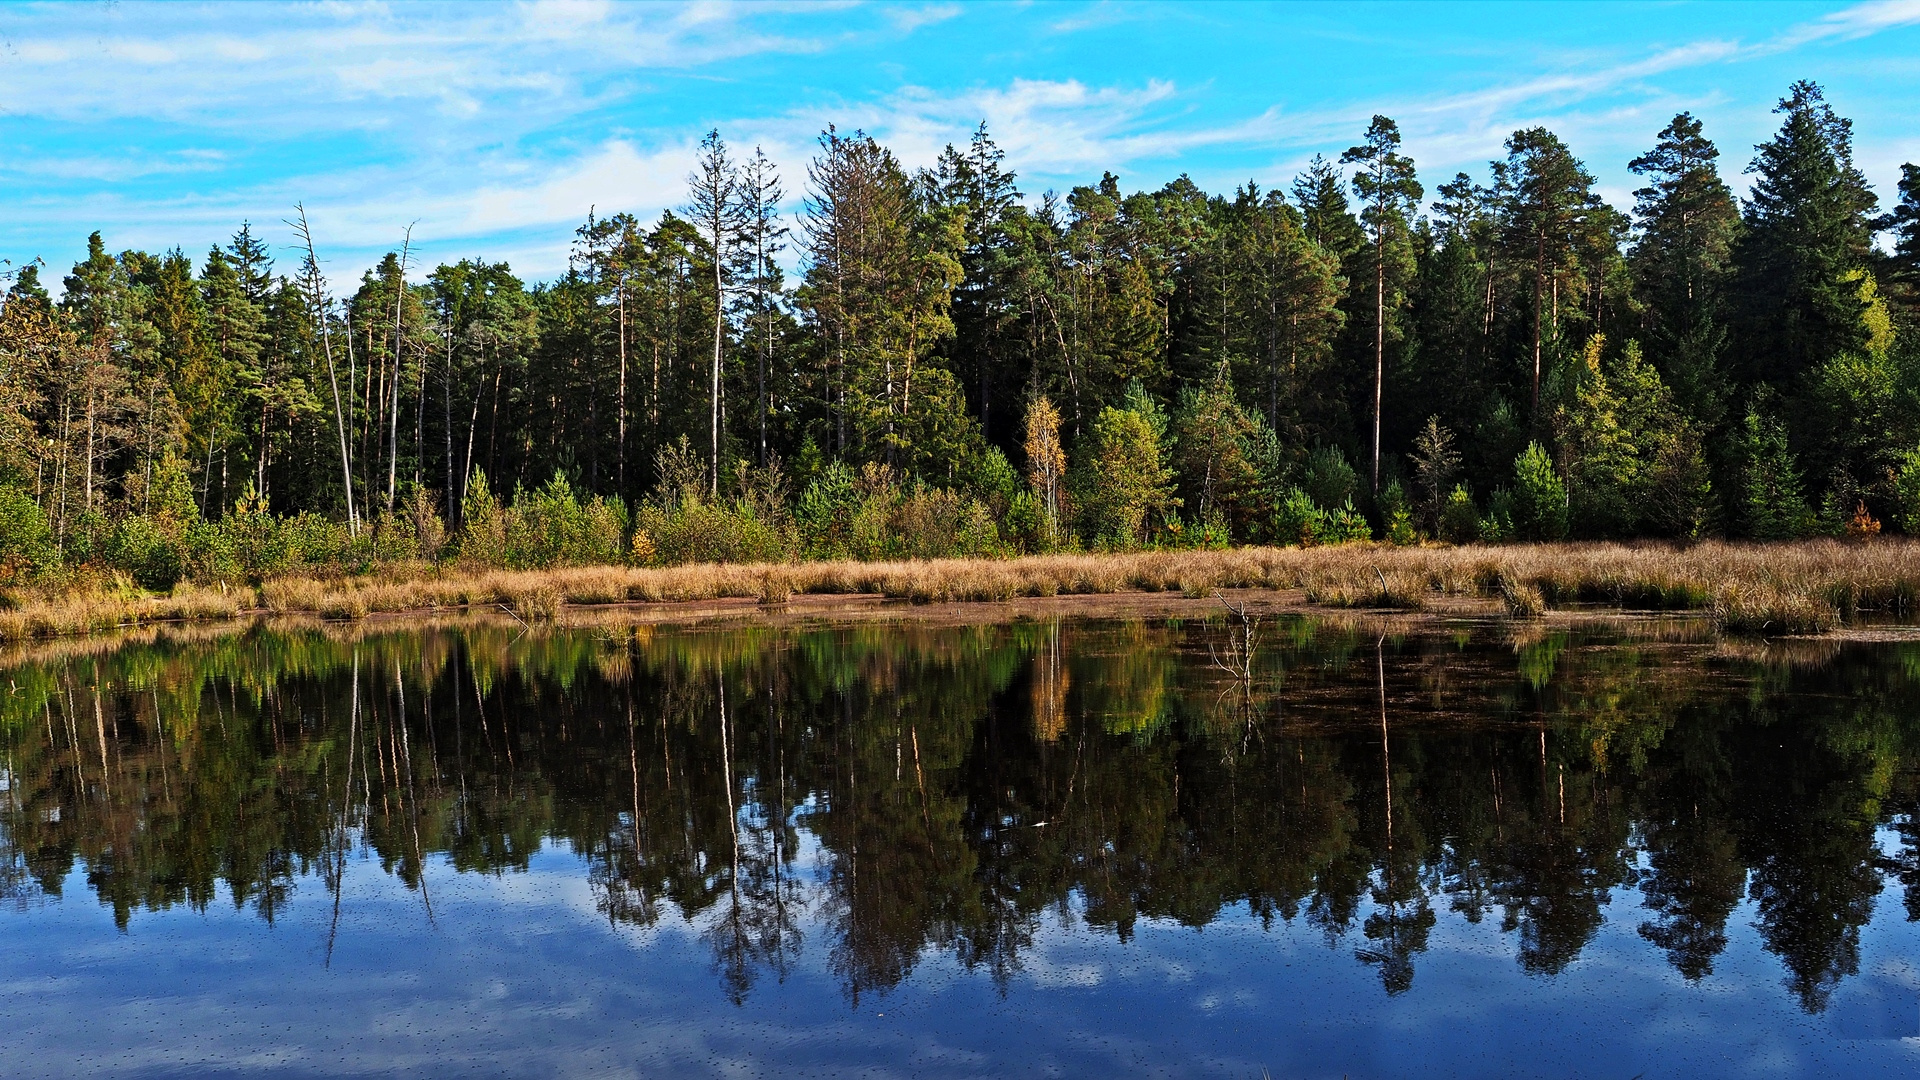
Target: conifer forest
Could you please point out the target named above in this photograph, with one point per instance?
(867, 361)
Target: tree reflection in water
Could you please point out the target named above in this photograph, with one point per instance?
(902, 789)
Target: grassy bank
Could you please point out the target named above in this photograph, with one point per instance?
(1803, 587)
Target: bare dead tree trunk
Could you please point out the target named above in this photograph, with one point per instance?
(318, 305)
(399, 341)
(719, 325)
(87, 499)
(621, 293)
(446, 426)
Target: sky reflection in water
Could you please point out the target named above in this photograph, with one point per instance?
(1038, 849)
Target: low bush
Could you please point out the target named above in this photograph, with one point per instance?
(694, 532)
(1459, 520)
(551, 527)
(26, 541)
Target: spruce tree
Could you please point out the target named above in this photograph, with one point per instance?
(1807, 229)
(1327, 217)
(986, 304)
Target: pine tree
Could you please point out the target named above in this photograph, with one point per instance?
(221, 375)
(1454, 304)
(883, 262)
(1550, 213)
(1903, 221)
(1213, 455)
(1386, 186)
(1686, 221)
(1435, 463)
(1295, 291)
(26, 287)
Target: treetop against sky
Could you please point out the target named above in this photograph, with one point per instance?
(496, 128)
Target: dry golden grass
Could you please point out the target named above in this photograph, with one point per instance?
(95, 609)
(1802, 587)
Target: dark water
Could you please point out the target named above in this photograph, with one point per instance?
(1080, 849)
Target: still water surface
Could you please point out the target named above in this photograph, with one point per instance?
(1040, 849)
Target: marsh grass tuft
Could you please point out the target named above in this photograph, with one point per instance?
(1521, 598)
(776, 587)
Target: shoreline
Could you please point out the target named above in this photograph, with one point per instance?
(1807, 587)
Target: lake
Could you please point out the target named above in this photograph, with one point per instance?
(1189, 847)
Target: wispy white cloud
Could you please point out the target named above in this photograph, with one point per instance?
(909, 19)
(322, 67)
(1594, 100)
(1857, 21)
(1048, 128)
(1105, 13)
(360, 213)
(495, 125)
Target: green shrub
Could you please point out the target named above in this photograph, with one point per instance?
(319, 543)
(1906, 492)
(1396, 516)
(423, 518)
(1459, 520)
(693, 532)
(923, 522)
(1328, 479)
(1347, 525)
(392, 538)
(1213, 534)
(1497, 526)
(1297, 520)
(212, 553)
(1771, 504)
(483, 525)
(249, 544)
(154, 557)
(872, 534)
(1123, 484)
(26, 540)
(1539, 496)
(977, 535)
(990, 477)
(86, 535)
(1024, 526)
(826, 511)
(546, 527)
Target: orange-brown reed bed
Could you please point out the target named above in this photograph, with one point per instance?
(1803, 587)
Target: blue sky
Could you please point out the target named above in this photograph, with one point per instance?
(495, 127)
